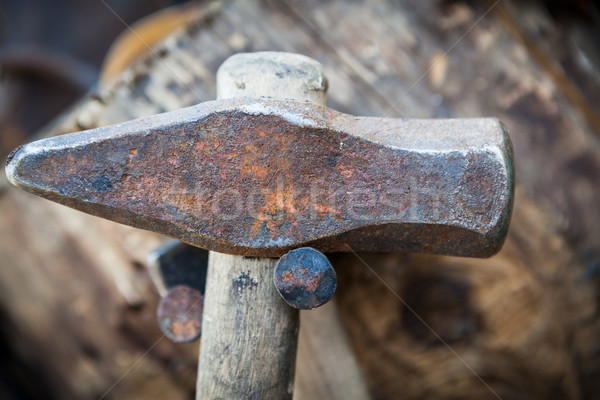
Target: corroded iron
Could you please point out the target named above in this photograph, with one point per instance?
(179, 313)
(260, 177)
(305, 278)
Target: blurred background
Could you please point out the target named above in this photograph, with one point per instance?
(77, 305)
(51, 54)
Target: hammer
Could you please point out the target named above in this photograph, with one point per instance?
(262, 176)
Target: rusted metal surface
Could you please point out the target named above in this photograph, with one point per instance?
(260, 177)
(180, 313)
(305, 278)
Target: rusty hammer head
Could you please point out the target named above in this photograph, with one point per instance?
(259, 177)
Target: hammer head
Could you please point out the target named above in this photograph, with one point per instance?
(259, 177)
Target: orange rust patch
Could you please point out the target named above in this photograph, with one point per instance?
(200, 145)
(131, 154)
(324, 209)
(345, 170)
(312, 283)
(278, 206)
(288, 275)
(301, 277)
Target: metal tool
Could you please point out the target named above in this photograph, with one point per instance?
(260, 177)
(305, 278)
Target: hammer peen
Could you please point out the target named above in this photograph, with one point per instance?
(256, 176)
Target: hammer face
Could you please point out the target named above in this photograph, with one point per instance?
(261, 177)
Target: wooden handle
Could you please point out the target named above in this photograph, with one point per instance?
(249, 334)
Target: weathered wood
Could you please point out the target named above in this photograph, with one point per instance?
(249, 335)
(526, 321)
(522, 321)
(326, 365)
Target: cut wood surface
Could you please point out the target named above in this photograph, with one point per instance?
(78, 305)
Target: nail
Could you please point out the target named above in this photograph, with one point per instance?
(305, 278)
(180, 314)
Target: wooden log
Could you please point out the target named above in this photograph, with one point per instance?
(525, 322)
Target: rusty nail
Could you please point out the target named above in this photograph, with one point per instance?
(305, 278)
(180, 314)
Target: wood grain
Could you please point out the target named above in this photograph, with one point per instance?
(250, 335)
(525, 321)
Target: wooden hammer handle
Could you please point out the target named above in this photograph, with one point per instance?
(249, 334)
